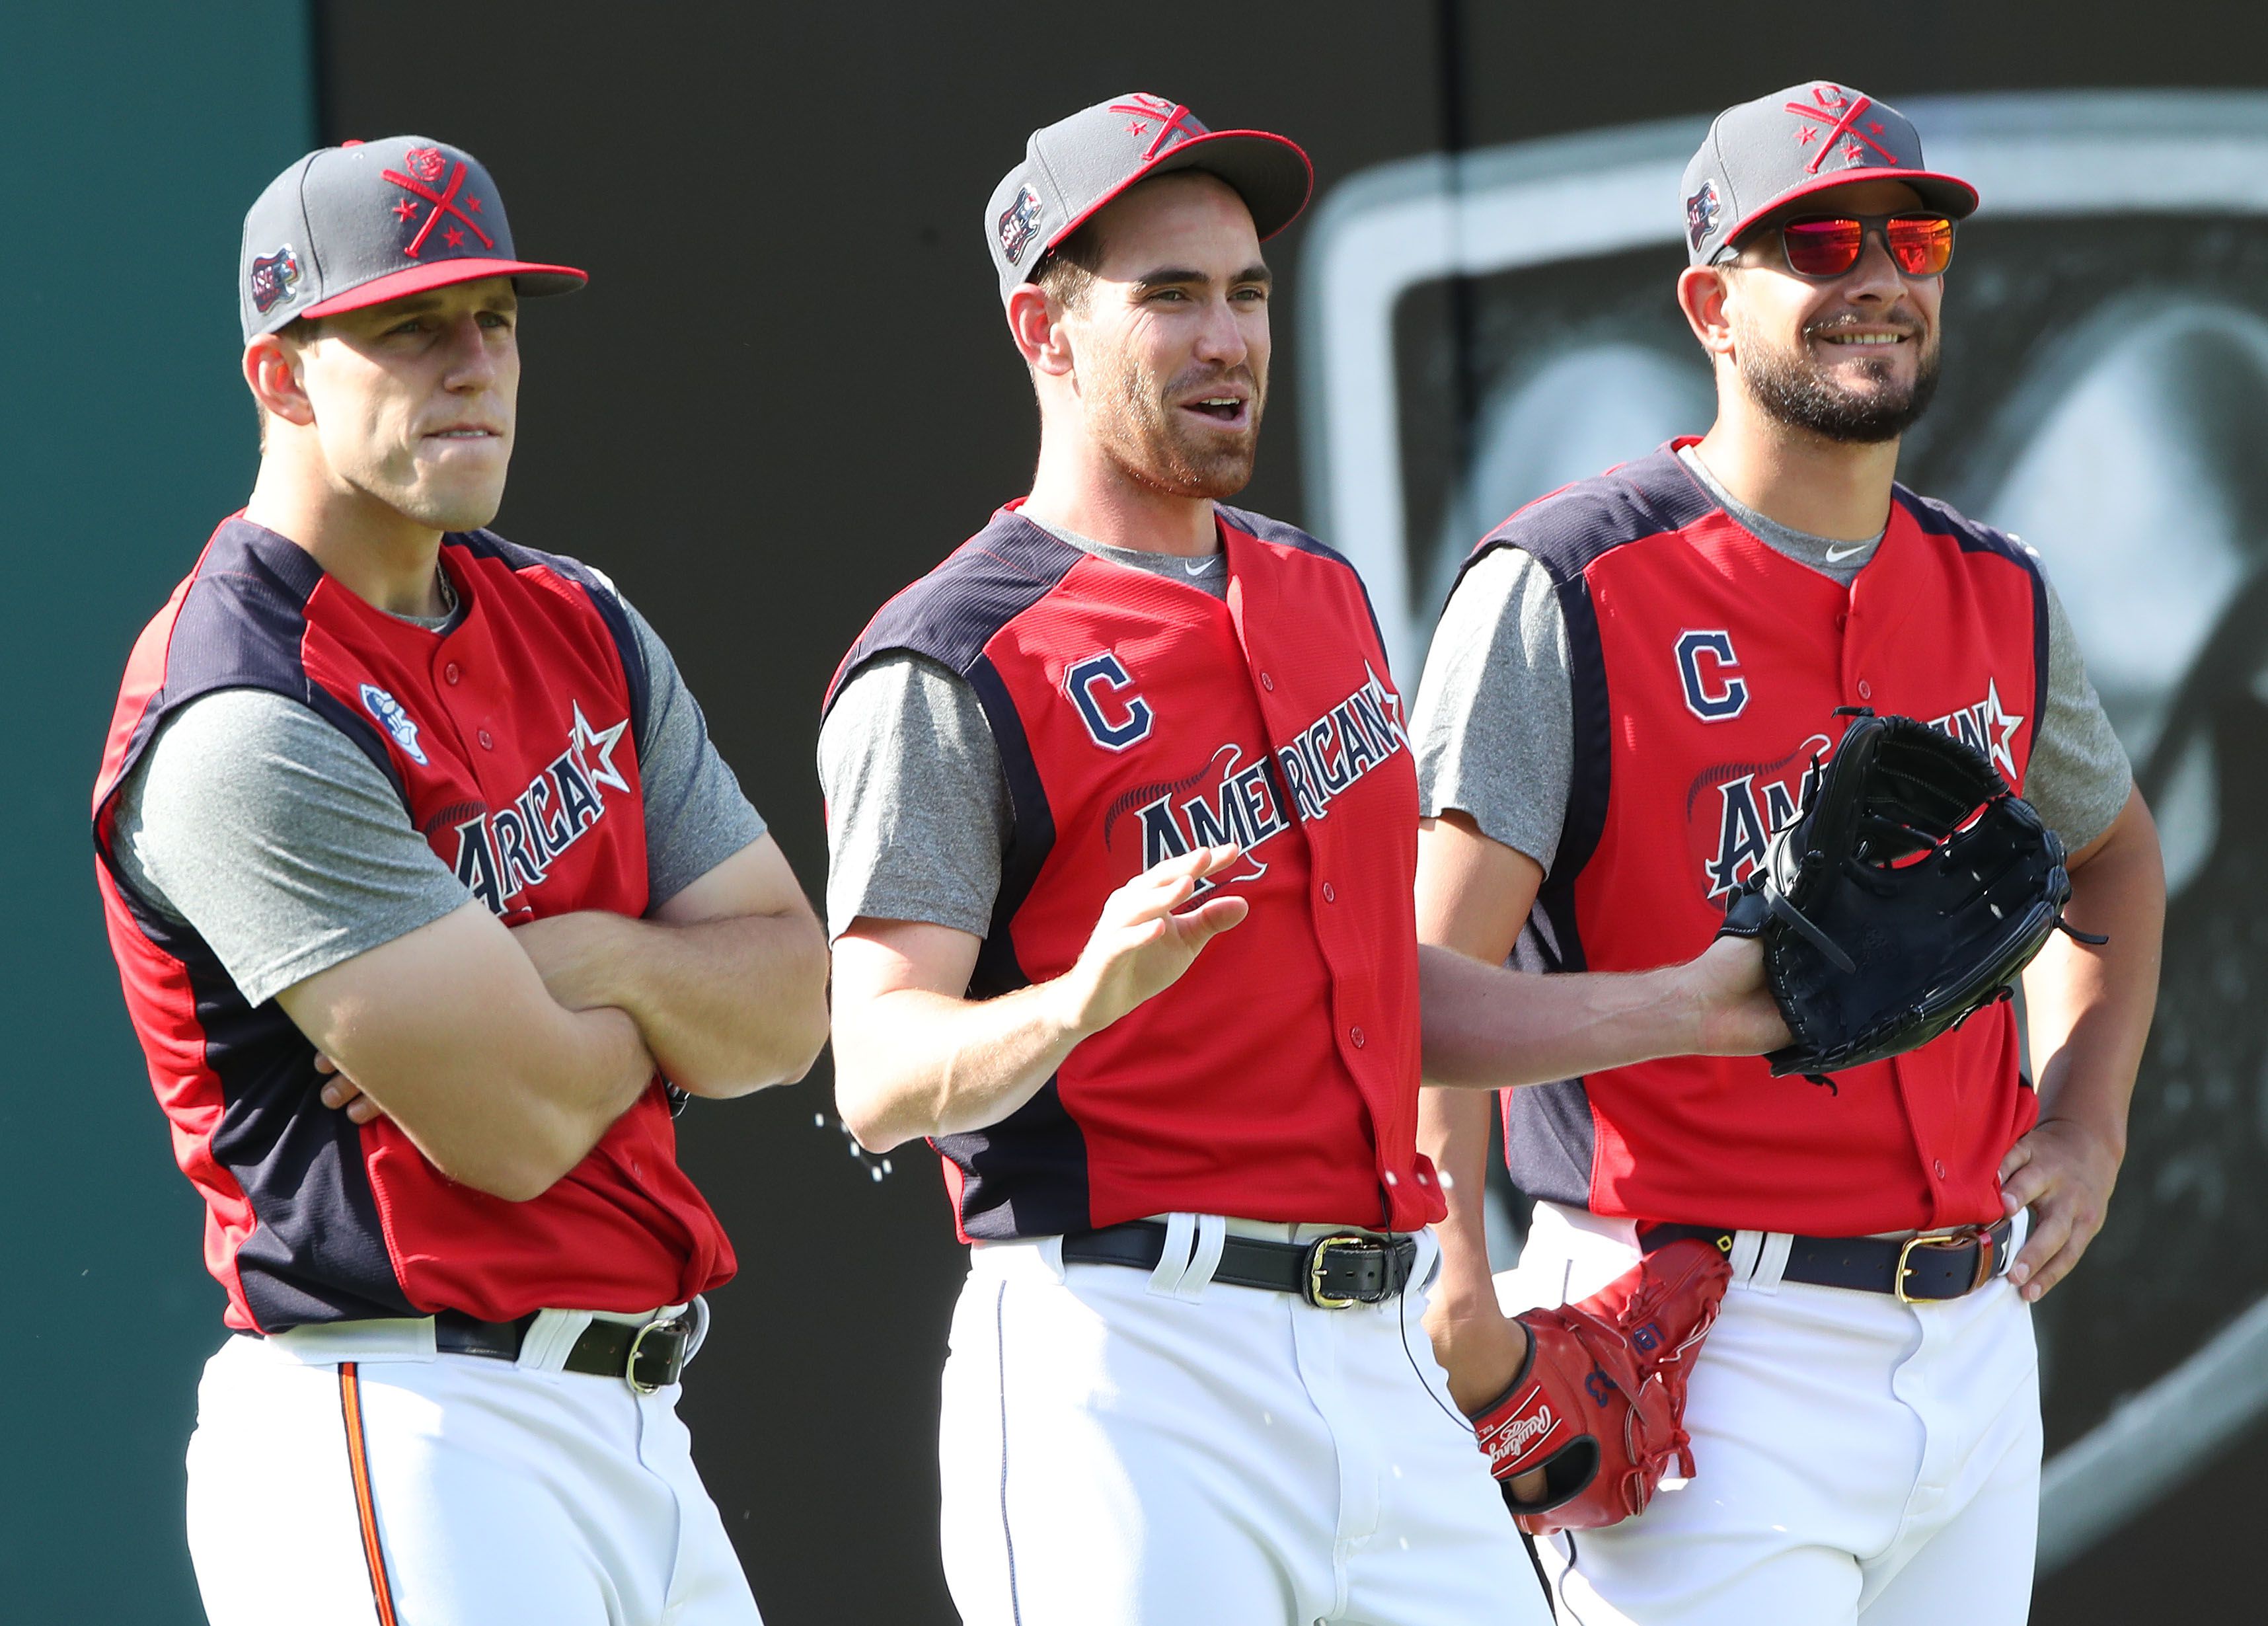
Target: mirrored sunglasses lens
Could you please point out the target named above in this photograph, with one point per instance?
(1822, 248)
(1921, 244)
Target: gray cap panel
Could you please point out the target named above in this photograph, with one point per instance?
(1075, 165)
(1766, 153)
(403, 212)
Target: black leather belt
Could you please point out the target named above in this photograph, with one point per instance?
(646, 1357)
(1935, 1265)
(1331, 1272)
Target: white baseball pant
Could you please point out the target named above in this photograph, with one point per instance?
(350, 1477)
(1857, 1459)
(1130, 1448)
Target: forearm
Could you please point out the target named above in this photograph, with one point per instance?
(916, 1063)
(1453, 1130)
(1487, 1027)
(727, 1006)
(2088, 1009)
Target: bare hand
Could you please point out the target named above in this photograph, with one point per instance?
(1733, 1008)
(2063, 1171)
(1482, 1351)
(344, 1092)
(1139, 947)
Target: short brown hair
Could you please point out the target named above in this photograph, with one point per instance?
(1067, 271)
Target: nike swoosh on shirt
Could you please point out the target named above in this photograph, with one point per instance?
(1197, 567)
(1836, 556)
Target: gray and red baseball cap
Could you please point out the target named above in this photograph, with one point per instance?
(1074, 166)
(1780, 147)
(369, 221)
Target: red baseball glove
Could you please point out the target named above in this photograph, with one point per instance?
(1598, 1405)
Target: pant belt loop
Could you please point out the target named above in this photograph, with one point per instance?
(1771, 1262)
(1174, 1261)
(1743, 1259)
(549, 1338)
(1213, 1236)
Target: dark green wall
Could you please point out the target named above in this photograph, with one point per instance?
(132, 137)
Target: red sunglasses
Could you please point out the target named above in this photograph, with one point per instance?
(1920, 245)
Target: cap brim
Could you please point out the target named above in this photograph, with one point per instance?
(1955, 196)
(1269, 172)
(529, 279)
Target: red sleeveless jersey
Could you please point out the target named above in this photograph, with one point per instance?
(1138, 718)
(513, 741)
(1707, 668)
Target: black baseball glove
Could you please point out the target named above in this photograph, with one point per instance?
(1907, 894)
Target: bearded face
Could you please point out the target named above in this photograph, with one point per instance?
(1191, 432)
(1826, 384)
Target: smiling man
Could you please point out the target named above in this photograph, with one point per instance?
(1123, 821)
(1632, 678)
(430, 894)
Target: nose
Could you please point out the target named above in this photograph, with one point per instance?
(472, 356)
(1875, 278)
(1221, 339)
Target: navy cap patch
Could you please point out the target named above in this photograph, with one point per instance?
(275, 279)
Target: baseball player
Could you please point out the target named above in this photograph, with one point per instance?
(427, 889)
(1630, 681)
(1123, 729)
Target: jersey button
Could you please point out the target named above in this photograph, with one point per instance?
(453, 673)
(1939, 1166)
(1330, 897)
(1865, 690)
(1356, 1034)
(1842, 619)
(1267, 683)
(488, 740)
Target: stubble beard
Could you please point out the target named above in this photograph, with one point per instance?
(1794, 391)
(1136, 425)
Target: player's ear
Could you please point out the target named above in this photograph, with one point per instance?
(1703, 292)
(271, 372)
(1035, 318)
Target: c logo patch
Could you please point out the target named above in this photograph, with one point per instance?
(1708, 668)
(1100, 687)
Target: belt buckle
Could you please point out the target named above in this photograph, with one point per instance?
(674, 1361)
(1318, 1260)
(1939, 1239)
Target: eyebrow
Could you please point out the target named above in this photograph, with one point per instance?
(1176, 276)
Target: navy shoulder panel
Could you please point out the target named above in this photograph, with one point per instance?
(605, 597)
(1279, 534)
(1570, 528)
(951, 613)
(1939, 519)
(242, 620)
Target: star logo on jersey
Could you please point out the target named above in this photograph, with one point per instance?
(1989, 727)
(502, 851)
(396, 722)
(599, 745)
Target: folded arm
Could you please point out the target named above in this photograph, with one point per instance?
(727, 980)
(449, 1032)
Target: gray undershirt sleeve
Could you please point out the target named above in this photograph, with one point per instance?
(1494, 719)
(271, 833)
(918, 813)
(2079, 775)
(695, 817)
(918, 809)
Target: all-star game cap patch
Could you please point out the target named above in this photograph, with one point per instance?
(368, 221)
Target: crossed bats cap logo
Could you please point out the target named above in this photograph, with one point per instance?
(1074, 167)
(1806, 138)
(372, 221)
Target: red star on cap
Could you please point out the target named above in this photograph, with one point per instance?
(472, 205)
(1875, 128)
(1804, 135)
(453, 238)
(1135, 126)
(403, 209)
(1853, 151)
